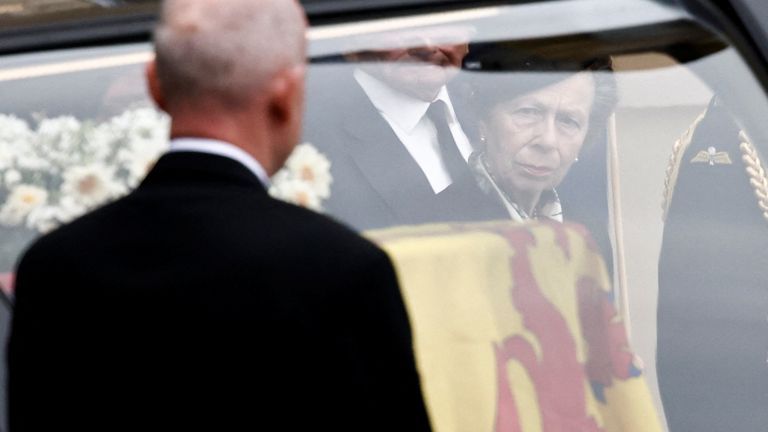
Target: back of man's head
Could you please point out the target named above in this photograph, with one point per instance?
(225, 50)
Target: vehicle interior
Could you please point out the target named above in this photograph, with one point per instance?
(590, 317)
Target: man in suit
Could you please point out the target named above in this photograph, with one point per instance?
(397, 148)
(198, 302)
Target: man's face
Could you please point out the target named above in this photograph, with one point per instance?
(417, 62)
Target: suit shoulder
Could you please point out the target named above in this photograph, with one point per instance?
(330, 233)
(68, 239)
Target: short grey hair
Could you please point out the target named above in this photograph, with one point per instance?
(224, 49)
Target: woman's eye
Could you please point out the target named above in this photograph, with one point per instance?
(528, 111)
(526, 116)
(569, 122)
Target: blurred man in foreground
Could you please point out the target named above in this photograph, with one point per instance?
(198, 302)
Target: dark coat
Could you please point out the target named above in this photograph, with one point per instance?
(198, 302)
(713, 291)
(376, 182)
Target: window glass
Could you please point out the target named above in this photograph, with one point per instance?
(631, 123)
(77, 131)
(572, 192)
(24, 12)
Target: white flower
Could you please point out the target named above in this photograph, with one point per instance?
(28, 161)
(7, 156)
(69, 209)
(59, 138)
(312, 167)
(144, 130)
(98, 144)
(141, 121)
(138, 167)
(72, 165)
(23, 199)
(12, 128)
(44, 218)
(91, 185)
(48, 217)
(139, 160)
(14, 135)
(305, 179)
(145, 137)
(297, 192)
(279, 178)
(12, 177)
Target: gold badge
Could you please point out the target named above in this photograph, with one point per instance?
(712, 157)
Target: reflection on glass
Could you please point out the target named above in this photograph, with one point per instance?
(713, 304)
(394, 131)
(500, 309)
(418, 63)
(63, 155)
(533, 127)
(374, 157)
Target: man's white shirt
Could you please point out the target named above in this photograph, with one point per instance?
(221, 148)
(406, 116)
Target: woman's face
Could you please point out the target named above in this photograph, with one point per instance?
(532, 140)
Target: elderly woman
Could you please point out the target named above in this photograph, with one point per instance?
(532, 127)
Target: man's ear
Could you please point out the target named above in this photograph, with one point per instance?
(286, 96)
(153, 85)
(284, 111)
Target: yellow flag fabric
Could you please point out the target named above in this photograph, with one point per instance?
(515, 329)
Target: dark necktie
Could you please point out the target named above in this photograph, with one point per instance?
(452, 159)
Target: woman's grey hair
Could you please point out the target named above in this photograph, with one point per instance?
(225, 49)
(606, 98)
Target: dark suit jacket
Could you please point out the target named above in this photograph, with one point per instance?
(376, 182)
(200, 303)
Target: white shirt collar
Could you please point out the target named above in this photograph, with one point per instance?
(403, 109)
(221, 148)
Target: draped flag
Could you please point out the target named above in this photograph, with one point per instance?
(515, 329)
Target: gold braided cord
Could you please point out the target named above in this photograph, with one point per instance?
(755, 172)
(673, 167)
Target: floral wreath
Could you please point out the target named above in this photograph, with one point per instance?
(64, 167)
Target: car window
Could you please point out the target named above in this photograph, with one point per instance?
(78, 130)
(630, 119)
(572, 192)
